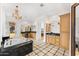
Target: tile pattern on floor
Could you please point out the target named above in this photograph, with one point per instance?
(42, 49)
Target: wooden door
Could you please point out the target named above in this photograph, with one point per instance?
(64, 30)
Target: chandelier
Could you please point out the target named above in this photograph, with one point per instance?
(16, 13)
(41, 5)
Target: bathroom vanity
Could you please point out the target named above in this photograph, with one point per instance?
(29, 34)
(53, 38)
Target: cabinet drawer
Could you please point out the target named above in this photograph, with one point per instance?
(57, 43)
(53, 41)
(57, 40)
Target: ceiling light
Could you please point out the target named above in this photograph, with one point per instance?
(41, 4)
(16, 13)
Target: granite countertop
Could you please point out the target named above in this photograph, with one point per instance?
(51, 33)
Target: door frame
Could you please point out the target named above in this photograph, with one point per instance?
(73, 19)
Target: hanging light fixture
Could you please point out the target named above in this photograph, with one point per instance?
(16, 13)
(41, 4)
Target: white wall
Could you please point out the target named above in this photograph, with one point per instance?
(40, 22)
(38, 30)
(43, 25)
(55, 28)
(5, 28)
(17, 29)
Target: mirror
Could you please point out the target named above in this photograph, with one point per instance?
(77, 31)
(74, 29)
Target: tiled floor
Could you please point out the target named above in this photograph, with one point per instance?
(42, 49)
(77, 52)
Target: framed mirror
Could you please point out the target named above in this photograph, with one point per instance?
(75, 29)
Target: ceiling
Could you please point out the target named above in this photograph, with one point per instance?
(32, 11)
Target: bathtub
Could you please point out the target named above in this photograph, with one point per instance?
(17, 47)
(14, 41)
